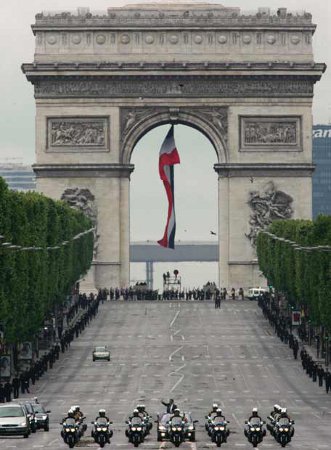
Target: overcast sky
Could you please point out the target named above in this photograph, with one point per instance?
(196, 207)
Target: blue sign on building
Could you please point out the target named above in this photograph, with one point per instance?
(322, 174)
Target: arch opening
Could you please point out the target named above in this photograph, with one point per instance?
(196, 203)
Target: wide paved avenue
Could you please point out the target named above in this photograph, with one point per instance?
(193, 353)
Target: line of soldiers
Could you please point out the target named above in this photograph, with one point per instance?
(46, 362)
(281, 325)
(315, 370)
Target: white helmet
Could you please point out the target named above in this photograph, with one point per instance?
(102, 412)
(254, 410)
(215, 405)
(284, 410)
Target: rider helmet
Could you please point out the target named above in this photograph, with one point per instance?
(135, 412)
(176, 412)
(254, 410)
(102, 412)
(215, 406)
(284, 411)
(219, 411)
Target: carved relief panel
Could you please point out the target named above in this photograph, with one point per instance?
(275, 133)
(77, 134)
(269, 205)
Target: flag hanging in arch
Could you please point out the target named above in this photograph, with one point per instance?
(167, 159)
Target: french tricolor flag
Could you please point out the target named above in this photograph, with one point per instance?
(168, 157)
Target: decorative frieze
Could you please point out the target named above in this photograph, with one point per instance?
(212, 41)
(274, 133)
(269, 205)
(173, 86)
(72, 134)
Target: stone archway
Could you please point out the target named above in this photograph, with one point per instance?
(246, 82)
(212, 122)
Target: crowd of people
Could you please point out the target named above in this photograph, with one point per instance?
(283, 328)
(21, 381)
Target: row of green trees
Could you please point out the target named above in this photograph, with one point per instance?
(33, 282)
(301, 268)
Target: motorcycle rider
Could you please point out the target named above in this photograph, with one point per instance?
(255, 414)
(284, 415)
(220, 417)
(176, 414)
(78, 413)
(171, 406)
(70, 415)
(102, 414)
(214, 409)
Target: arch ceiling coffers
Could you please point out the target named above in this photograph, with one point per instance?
(135, 122)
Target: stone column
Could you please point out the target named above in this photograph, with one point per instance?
(124, 232)
(223, 230)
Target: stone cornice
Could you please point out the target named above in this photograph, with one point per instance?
(231, 170)
(315, 69)
(173, 16)
(83, 170)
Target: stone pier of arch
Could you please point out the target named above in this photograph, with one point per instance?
(246, 82)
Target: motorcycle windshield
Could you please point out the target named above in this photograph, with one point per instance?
(255, 421)
(135, 421)
(283, 422)
(69, 423)
(176, 421)
(218, 420)
(102, 421)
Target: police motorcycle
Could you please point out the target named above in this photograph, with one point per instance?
(254, 431)
(218, 430)
(283, 431)
(176, 430)
(148, 425)
(70, 431)
(136, 430)
(101, 432)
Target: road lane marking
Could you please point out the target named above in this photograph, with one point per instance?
(174, 319)
(174, 352)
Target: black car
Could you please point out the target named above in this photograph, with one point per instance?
(41, 415)
(30, 414)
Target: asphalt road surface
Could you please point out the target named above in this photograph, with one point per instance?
(188, 351)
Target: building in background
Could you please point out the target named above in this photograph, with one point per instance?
(18, 176)
(322, 174)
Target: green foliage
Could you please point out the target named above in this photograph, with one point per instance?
(32, 282)
(303, 275)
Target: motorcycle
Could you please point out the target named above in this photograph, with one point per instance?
(177, 431)
(101, 432)
(147, 424)
(219, 431)
(255, 431)
(283, 431)
(70, 432)
(136, 431)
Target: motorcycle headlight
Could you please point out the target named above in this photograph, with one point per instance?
(72, 430)
(281, 429)
(191, 427)
(99, 429)
(216, 428)
(286, 429)
(139, 429)
(134, 429)
(257, 429)
(104, 429)
(161, 428)
(252, 429)
(221, 428)
(179, 429)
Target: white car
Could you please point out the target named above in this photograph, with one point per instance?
(101, 353)
(253, 293)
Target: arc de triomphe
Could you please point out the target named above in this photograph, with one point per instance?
(102, 81)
